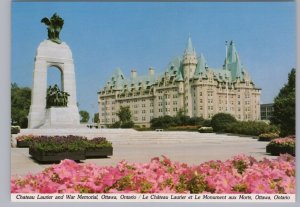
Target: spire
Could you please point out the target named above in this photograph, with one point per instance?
(201, 65)
(233, 63)
(189, 48)
(118, 79)
(238, 67)
(231, 53)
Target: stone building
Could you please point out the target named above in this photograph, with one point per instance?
(187, 84)
(266, 111)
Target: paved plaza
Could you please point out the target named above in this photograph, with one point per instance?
(135, 146)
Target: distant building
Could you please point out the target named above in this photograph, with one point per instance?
(187, 84)
(266, 111)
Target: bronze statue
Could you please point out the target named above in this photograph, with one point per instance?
(55, 25)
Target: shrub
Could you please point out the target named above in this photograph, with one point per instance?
(206, 123)
(167, 121)
(117, 124)
(267, 136)
(195, 121)
(205, 130)
(163, 122)
(282, 145)
(128, 124)
(221, 121)
(15, 129)
(253, 128)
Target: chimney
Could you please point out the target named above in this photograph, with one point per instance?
(151, 71)
(133, 73)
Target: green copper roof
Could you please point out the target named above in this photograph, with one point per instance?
(179, 76)
(231, 53)
(231, 71)
(233, 63)
(189, 48)
(200, 69)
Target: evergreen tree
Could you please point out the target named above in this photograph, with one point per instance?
(284, 106)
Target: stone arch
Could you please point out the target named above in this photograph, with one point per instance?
(50, 54)
(53, 69)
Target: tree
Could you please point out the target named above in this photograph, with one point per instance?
(221, 121)
(124, 115)
(84, 116)
(284, 106)
(20, 104)
(96, 118)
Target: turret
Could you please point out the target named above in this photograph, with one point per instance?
(232, 62)
(189, 60)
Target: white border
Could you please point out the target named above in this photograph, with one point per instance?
(5, 196)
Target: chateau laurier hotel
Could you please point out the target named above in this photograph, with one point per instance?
(188, 84)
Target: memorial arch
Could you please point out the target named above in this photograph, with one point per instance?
(51, 54)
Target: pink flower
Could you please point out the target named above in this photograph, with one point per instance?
(241, 174)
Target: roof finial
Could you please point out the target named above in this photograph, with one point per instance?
(189, 49)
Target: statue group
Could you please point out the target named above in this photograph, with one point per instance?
(55, 24)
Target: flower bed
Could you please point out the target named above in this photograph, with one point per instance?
(266, 137)
(282, 145)
(56, 148)
(241, 174)
(98, 147)
(24, 141)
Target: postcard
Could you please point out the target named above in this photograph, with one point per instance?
(153, 102)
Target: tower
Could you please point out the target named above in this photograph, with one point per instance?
(189, 63)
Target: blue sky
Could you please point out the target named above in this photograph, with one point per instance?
(103, 36)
